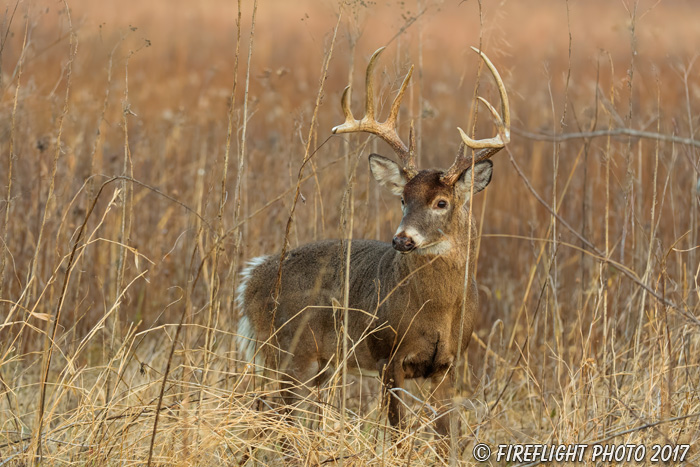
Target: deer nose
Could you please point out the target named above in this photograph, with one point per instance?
(403, 243)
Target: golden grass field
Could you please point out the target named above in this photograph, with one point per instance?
(150, 147)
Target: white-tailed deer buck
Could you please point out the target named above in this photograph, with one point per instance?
(410, 302)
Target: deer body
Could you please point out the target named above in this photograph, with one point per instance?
(394, 314)
(408, 302)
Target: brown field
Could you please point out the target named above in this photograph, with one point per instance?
(149, 148)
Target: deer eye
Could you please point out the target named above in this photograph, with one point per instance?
(442, 204)
(402, 201)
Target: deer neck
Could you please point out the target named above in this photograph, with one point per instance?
(441, 269)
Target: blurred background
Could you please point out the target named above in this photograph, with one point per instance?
(588, 263)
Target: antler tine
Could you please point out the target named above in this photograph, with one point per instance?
(488, 146)
(369, 85)
(394, 112)
(345, 104)
(505, 104)
(496, 141)
(408, 158)
(409, 161)
(368, 123)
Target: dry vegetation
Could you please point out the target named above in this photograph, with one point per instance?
(121, 122)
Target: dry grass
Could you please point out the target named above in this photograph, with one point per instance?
(117, 134)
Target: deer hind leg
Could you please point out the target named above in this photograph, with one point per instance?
(293, 382)
(297, 382)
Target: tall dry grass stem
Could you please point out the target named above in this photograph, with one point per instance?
(52, 323)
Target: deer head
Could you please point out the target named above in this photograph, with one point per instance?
(432, 200)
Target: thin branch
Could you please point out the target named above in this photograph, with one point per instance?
(612, 132)
(630, 275)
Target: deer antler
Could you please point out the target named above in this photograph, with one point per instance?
(387, 130)
(489, 146)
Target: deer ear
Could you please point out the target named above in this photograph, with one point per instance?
(388, 173)
(482, 177)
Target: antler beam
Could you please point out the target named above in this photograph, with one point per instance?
(490, 146)
(368, 123)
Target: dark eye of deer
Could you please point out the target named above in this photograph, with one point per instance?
(402, 202)
(442, 204)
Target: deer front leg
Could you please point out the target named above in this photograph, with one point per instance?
(442, 396)
(393, 378)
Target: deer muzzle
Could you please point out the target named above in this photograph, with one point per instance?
(403, 243)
